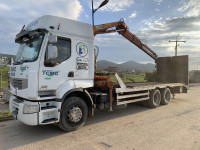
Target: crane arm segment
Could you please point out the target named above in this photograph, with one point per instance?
(122, 29)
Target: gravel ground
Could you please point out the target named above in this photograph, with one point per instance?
(172, 127)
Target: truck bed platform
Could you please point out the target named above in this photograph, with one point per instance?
(134, 92)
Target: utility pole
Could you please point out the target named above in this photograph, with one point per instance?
(1, 72)
(176, 47)
(92, 13)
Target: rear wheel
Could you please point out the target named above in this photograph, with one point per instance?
(155, 98)
(73, 114)
(165, 96)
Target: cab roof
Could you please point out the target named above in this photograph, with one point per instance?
(62, 25)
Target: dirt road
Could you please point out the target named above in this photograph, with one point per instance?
(172, 127)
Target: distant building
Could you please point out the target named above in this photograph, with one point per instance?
(138, 72)
(99, 70)
(127, 71)
(5, 59)
(112, 69)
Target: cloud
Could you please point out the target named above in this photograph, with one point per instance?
(156, 34)
(62, 8)
(159, 31)
(133, 15)
(191, 8)
(20, 12)
(188, 26)
(113, 5)
(4, 6)
(158, 1)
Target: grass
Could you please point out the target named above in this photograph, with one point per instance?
(5, 114)
(4, 76)
(129, 78)
(135, 78)
(4, 83)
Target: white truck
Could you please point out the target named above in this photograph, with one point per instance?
(53, 79)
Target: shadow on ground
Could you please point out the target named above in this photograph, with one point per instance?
(15, 133)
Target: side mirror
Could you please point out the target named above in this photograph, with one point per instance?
(52, 39)
(52, 52)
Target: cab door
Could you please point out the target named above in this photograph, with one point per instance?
(54, 72)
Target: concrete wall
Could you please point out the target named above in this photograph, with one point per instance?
(173, 69)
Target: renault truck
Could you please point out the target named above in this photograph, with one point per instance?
(54, 78)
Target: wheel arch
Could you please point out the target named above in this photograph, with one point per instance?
(83, 94)
(170, 88)
(156, 88)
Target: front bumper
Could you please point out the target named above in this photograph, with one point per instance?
(48, 111)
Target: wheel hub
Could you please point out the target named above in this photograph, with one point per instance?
(167, 96)
(75, 114)
(156, 98)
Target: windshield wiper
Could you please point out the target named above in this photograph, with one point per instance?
(17, 62)
(21, 62)
(26, 60)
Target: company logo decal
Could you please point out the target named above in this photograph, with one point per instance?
(49, 74)
(23, 68)
(12, 71)
(81, 63)
(81, 49)
(32, 25)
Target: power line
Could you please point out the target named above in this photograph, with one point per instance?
(176, 47)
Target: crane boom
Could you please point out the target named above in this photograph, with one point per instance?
(122, 29)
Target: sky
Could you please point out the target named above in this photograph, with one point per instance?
(155, 22)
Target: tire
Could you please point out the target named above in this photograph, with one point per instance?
(165, 96)
(73, 114)
(155, 98)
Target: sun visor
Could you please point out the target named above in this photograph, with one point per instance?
(25, 33)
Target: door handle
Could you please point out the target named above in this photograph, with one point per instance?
(71, 74)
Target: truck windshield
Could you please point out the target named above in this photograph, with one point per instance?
(29, 49)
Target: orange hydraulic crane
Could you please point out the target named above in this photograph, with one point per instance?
(122, 29)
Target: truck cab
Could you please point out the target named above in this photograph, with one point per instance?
(55, 56)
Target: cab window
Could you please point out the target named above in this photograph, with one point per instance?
(64, 50)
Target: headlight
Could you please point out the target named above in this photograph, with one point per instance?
(29, 109)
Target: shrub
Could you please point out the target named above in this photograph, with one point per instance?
(150, 76)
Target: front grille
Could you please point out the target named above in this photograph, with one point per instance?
(17, 83)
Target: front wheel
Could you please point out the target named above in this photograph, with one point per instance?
(73, 114)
